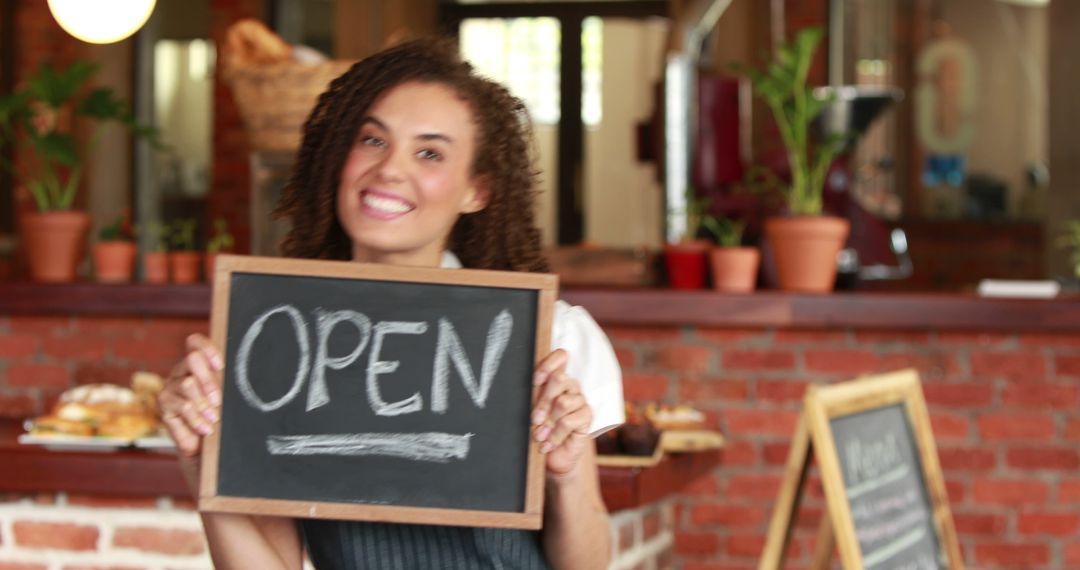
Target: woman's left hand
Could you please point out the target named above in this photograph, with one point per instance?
(561, 416)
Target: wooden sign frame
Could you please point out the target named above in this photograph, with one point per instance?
(546, 287)
(813, 435)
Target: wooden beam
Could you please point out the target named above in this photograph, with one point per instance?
(571, 135)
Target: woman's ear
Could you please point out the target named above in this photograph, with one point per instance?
(478, 196)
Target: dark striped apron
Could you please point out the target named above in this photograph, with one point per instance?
(348, 545)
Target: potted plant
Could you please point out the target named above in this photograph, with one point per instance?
(183, 259)
(804, 243)
(156, 258)
(221, 241)
(114, 252)
(685, 260)
(39, 120)
(734, 266)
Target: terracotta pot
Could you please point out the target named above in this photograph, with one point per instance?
(114, 261)
(805, 250)
(184, 266)
(55, 243)
(685, 262)
(734, 269)
(156, 267)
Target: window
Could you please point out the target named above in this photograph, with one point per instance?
(523, 54)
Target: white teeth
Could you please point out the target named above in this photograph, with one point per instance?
(388, 205)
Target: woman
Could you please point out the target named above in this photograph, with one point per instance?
(411, 159)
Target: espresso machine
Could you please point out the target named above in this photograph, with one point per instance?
(873, 252)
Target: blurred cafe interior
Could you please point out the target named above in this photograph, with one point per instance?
(949, 111)
(950, 131)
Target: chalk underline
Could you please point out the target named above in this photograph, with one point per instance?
(436, 447)
(894, 474)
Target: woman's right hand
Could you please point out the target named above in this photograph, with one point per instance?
(190, 403)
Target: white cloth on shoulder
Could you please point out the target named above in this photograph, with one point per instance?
(592, 360)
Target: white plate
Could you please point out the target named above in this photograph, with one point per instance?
(156, 443)
(74, 443)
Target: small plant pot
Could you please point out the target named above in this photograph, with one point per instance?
(805, 249)
(55, 243)
(686, 264)
(156, 267)
(114, 261)
(734, 269)
(184, 266)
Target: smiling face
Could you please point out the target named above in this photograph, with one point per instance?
(408, 176)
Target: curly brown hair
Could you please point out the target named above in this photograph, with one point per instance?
(501, 236)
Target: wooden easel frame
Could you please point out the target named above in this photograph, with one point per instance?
(546, 287)
(813, 434)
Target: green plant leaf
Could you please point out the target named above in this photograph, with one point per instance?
(57, 88)
(57, 147)
(101, 104)
(806, 41)
(182, 234)
(40, 194)
(726, 232)
(782, 85)
(14, 106)
(67, 196)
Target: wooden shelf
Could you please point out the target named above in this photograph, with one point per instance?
(139, 473)
(125, 472)
(632, 487)
(629, 307)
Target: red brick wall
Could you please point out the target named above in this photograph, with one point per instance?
(77, 532)
(1004, 408)
(43, 356)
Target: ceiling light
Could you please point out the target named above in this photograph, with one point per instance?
(101, 21)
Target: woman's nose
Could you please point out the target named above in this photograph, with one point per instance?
(394, 165)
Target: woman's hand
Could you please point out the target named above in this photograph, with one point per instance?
(561, 416)
(190, 403)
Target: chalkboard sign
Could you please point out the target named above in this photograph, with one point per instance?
(371, 392)
(879, 468)
(885, 490)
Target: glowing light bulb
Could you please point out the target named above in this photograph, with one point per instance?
(101, 21)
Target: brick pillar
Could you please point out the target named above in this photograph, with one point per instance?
(230, 188)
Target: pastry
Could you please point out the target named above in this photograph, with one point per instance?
(128, 426)
(674, 417)
(55, 425)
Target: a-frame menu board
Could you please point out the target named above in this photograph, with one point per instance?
(887, 507)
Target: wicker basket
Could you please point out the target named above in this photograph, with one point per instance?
(275, 100)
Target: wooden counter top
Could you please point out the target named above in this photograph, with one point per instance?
(126, 472)
(139, 473)
(663, 307)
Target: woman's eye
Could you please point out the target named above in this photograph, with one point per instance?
(371, 140)
(428, 154)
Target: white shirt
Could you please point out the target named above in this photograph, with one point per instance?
(592, 360)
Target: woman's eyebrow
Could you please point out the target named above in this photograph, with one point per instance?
(374, 121)
(435, 136)
(423, 137)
